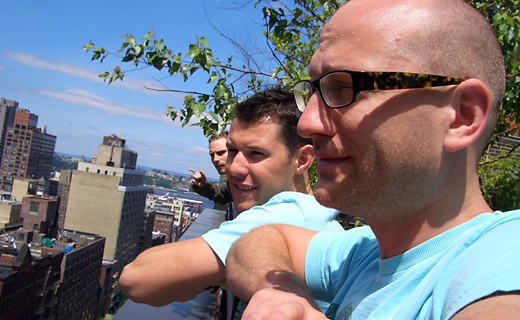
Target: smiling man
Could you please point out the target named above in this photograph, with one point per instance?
(264, 157)
(267, 168)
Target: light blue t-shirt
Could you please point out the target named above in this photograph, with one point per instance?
(288, 207)
(433, 280)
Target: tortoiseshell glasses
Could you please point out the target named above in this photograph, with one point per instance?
(341, 88)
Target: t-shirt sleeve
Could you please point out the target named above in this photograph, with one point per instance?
(488, 266)
(333, 256)
(220, 240)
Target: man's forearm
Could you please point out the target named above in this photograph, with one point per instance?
(172, 272)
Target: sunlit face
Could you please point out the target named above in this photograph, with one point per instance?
(259, 165)
(382, 155)
(218, 153)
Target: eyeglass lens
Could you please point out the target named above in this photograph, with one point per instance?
(336, 90)
(302, 94)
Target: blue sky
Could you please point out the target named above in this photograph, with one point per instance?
(43, 67)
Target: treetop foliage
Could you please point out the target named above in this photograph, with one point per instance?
(291, 32)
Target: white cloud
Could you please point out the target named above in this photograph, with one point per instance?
(202, 151)
(157, 155)
(107, 106)
(2, 68)
(82, 72)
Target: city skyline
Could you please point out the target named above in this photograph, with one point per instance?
(44, 69)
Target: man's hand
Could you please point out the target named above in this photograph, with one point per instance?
(274, 304)
(198, 178)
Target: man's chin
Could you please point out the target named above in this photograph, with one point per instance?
(323, 194)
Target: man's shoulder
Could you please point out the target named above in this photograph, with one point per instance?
(292, 200)
(499, 220)
(294, 197)
(501, 225)
(296, 209)
(484, 261)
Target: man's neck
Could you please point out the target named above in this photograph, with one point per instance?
(396, 236)
(302, 184)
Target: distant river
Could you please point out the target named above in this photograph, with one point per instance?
(206, 203)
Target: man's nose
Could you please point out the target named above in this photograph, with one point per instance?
(316, 118)
(237, 165)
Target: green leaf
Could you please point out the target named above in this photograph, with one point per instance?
(88, 46)
(123, 47)
(198, 109)
(148, 35)
(128, 57)
(212, 77)
(213, 115)
(139, 50)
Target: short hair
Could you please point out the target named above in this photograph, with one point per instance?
(216, 136)
(278, 106)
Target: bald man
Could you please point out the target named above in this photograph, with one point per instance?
(403, 99)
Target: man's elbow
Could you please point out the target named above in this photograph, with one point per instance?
(136, 286)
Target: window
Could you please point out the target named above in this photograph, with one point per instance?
(34, 207)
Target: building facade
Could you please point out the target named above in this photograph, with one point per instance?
(27, 150)
(28, 283)
(80, 275)
(108, 200)
(39, 219)
(7, 113)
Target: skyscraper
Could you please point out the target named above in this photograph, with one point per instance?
(107, 197)
(27, 151)
(7, 113)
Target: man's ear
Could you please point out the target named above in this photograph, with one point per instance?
(305, 158)
(472, 106)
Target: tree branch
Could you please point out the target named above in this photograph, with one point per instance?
(311, 12)
(248, 72)
(178, 91)
(274, 55)
(505, 132)
(235, 44)
(507, 155)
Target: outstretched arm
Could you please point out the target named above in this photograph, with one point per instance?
(172, 272)
(215, 192)
(270, 261)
